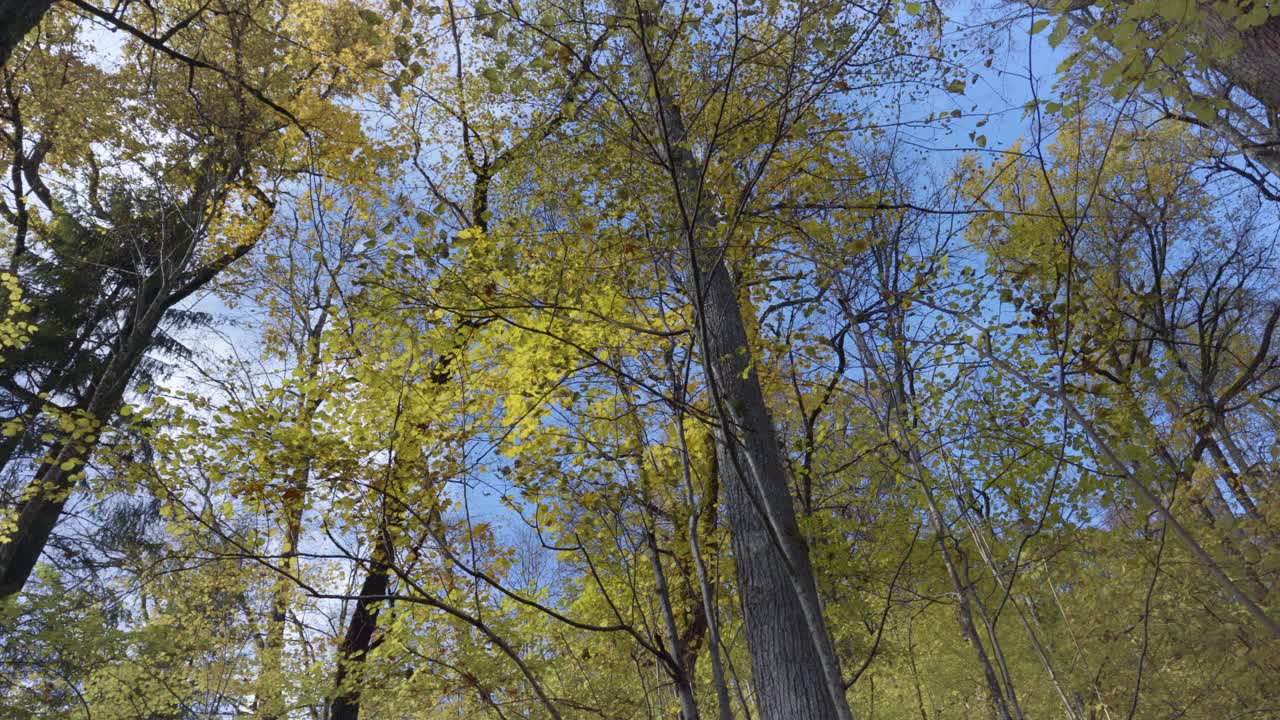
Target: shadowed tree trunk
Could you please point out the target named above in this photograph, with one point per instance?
(17, 18)
(358, 639)
(159, 289)
(47, 493)
(1254, 66)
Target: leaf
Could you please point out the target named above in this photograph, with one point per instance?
(1203, 110)
(1059, 33)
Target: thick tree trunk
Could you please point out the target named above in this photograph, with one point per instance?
(794, 666)
(37, 516)
(1255, 66)
(786, 670)
(775, 578)
(48, 491)
(157, 292)
(17, 18)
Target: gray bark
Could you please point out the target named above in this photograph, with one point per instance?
(680, 676)
(1254, 67)
(794, 667)
(786, 671)
(724, 706)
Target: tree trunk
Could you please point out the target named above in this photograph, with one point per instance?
(786, 633)
(794, 666)
(895, 409)
(37, 515)
(964, 610)
(159, 289)
(17, 18)
(48, 491)
(358, 639)
(1255, 66)
(786, 671)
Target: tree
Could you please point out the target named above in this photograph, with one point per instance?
(1211, 65)
(159, 244)
(18, 18)
(636, 360)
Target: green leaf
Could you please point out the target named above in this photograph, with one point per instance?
(1059, 33)
(1203, 110)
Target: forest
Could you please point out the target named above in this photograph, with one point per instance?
(640, 359)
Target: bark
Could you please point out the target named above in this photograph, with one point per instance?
(786, 670)
(679, 674)
(36, 517)
(724, 706)
(984, 550)
(17, 18)
(294, 503)
(989, 623)
(794, 666)
(1255, 67)
(49, 489)
(358, 639)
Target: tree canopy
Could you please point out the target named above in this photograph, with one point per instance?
(639, 359)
